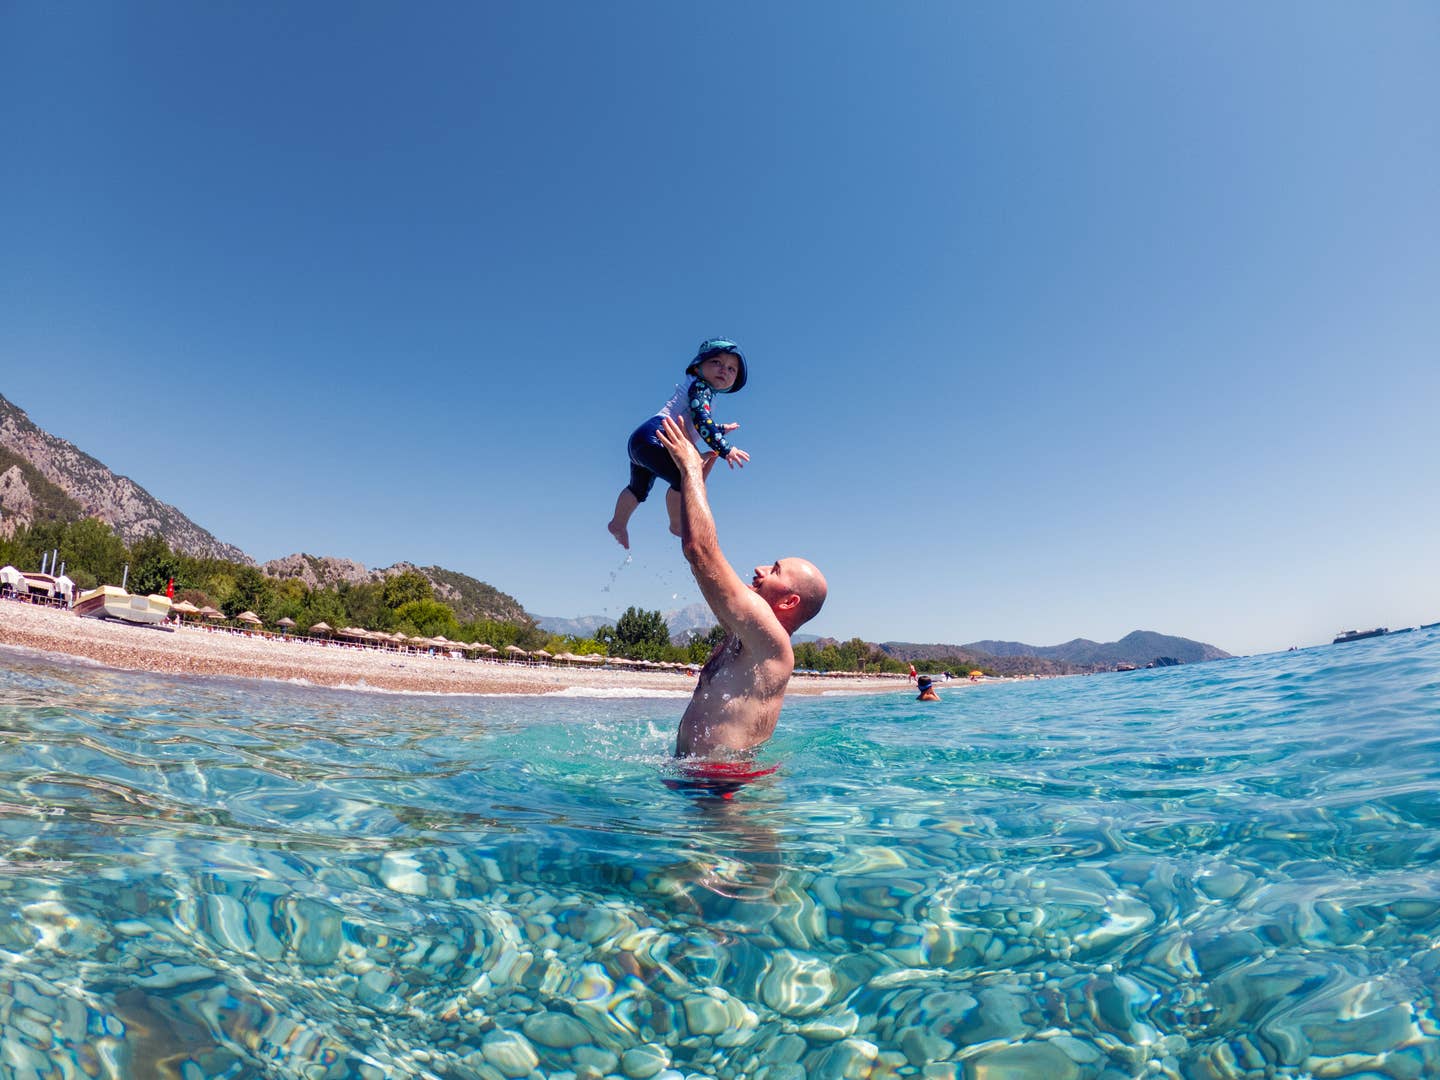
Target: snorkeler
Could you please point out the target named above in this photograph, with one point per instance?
(737, 699)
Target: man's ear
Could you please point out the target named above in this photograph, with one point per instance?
(790, 601)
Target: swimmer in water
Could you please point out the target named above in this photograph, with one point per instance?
(737, 700)
(926, 686)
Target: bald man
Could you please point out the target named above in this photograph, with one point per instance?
(737, 701)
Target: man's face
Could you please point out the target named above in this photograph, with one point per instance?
(773, 582)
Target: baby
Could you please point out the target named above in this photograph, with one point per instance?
(718, 368)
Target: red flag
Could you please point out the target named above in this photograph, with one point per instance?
(170, 589)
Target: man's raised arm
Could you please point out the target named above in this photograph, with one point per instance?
(738, 608)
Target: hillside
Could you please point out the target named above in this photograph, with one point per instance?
(91, 489)
(1137, 643)
(1139, 647)
(27, 498)
(469, 597)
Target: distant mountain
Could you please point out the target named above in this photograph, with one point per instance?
(45, 478)
(468, 597)
(1136, 647)
(693, 617)
(582, 626)
(1139, 647)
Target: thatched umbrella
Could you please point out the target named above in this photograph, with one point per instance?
(285, 624)
(212, 613)
(539, 654)
(320, 628)
(184, 607)
(516, 651)
(248, 617)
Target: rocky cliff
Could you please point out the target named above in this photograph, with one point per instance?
(94, 490)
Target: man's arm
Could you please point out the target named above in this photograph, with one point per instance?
(738, 608)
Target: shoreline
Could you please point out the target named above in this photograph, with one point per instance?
(190, 650)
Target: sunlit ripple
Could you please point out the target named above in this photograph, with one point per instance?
(1218, 870)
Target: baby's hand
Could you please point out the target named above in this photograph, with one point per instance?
(728, 427)
(737, 458)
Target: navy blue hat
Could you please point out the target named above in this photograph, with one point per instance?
(712, 347)
(924, 682)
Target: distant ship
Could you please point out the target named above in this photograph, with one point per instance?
(1356, 635)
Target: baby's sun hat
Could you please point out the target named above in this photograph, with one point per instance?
(710, 347)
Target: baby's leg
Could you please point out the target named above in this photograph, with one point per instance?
(672, 504)
(625, 504)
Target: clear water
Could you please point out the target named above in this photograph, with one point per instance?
(1213, 871)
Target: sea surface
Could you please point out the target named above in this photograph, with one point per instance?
(1221, 870)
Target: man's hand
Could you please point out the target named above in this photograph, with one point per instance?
(682, 450)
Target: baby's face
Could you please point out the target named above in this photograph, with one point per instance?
(720, 370)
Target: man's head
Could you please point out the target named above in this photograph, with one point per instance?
(794, 588)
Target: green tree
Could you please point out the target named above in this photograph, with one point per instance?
(406, 587)
(700, 647)
(428, 618)
(251, 593)
(365, 606)
(323, 605)
(92, 553)
(152, 565)
(637, 634)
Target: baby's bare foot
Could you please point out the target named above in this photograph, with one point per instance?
(621, 534)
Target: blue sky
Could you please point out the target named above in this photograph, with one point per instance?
(1063, 320)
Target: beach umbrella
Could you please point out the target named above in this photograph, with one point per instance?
(976, 674)
(184, 607)
(248, 617)
(515, 650)
(321, 628)
(212, 613)
(540, 654)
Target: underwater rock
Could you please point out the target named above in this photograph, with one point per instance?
(643, 1062)
(559, 1031)
(510, 1052)
(797, 985)
(1037, 1059)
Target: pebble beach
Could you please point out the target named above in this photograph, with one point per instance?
(189, 650)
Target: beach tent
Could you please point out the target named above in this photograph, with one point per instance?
(11, 578)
